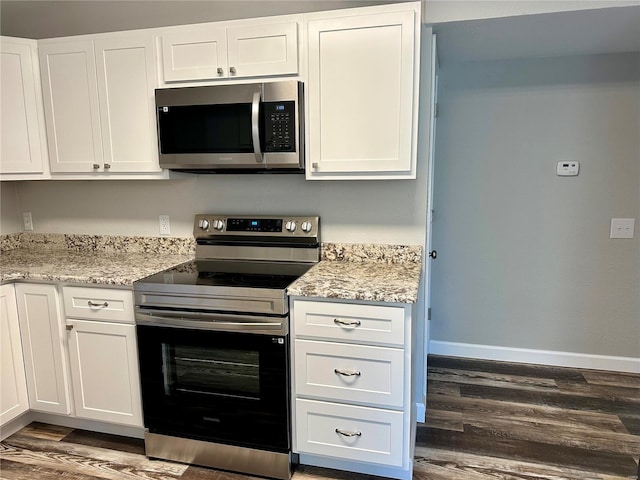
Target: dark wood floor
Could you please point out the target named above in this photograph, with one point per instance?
(485, 421)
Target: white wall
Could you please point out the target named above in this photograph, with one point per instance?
(10, 217)
(524, 257)
(350, 211)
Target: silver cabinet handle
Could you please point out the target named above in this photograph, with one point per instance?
(220, 71)
(347, 373)
(232, 70)
(347, 323)
(96, 166)
(93, 304)
(69, 328)
(107, 166)
(344, 433)
(255, 125)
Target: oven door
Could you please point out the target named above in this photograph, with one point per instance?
(218, 386)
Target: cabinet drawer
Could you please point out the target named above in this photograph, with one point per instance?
(98, 304)
(349, 322)
(352, 373)
(376, 434)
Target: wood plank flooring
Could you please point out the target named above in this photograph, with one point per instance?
(485, 421)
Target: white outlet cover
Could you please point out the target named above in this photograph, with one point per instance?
(164, 225)
(622, 227)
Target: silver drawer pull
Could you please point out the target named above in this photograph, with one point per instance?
(347, 373)
(346, 323)
(93, 304)
(348, 434)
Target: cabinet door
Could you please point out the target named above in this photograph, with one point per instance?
(42, 336)
(361, 95)
(20, 149)
(126, 82)
(70, 96)
(104, 371)
(195, 53)
(263, 50)
(13, 385)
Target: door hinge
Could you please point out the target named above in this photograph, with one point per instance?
(436, 110)
(429, 313)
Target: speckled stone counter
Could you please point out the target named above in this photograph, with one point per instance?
(90, 259)
(378, 273)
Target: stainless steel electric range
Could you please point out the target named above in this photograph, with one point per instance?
(213, 344)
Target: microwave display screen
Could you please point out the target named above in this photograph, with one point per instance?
(220, 128)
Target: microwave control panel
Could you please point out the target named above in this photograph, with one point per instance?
(279, 126)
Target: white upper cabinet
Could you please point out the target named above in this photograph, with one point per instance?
(99, 105)
(263, 50)
(69, 88)
(363, 72)
(22, 150)
(127, 78)
(214, 51)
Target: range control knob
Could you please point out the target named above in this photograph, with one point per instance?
(290, 226)
(218, 225)
(306, 227)
(203, 224)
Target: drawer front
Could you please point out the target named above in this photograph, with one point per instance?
(351, 373)
(350, 433)
(349, 322)
(98, 304)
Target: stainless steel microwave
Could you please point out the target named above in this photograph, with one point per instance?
(255, 127)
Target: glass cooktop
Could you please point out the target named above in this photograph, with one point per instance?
(230, 273)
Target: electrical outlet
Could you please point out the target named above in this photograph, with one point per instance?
(622, 227)
(165, 226)
(27, 221)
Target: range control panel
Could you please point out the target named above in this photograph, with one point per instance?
(276, 226)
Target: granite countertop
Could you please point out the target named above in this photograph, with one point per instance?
(83, 267)
(89, 259)
(380, 273)
(363, 272)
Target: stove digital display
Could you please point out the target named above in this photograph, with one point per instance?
(254, 225)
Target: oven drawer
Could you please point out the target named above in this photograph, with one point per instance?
(349, 322)
(98, 304)
(350, 433)
(352, 373)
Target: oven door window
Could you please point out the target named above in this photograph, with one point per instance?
(211, 371)
(216, 386)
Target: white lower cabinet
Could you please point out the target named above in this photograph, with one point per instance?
(43, 334)
(349, 432)
(13, 386)
(104, 371)
(103, 354)
(352, 385)
(80, 353)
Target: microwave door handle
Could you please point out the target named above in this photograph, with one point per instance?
(255, 126)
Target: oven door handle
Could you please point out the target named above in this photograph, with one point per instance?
(205, 321)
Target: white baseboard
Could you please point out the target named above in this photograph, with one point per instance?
(540, 357)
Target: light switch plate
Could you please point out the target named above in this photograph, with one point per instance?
(622, 227)
(567, 169)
